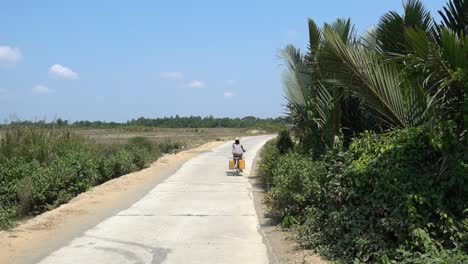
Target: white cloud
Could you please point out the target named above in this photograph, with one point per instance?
(196, 84)
(231, 82)
(63, 72)
(9, 55)
(41, 89)
(228, 94)
(172, 75)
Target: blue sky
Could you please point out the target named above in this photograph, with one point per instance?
(117, 60)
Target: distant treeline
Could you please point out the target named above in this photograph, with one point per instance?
(206, 122)
(173, 122)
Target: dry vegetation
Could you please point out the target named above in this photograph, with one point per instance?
(189, 136)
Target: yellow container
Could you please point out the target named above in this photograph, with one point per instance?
(241, 164)
(232, 164)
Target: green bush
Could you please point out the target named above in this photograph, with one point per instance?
(284, 143)
(386, 189)
(5, 219)
(295, 185)
(105, 165)
(381, 201)
(269, 159)
(168, 146)
(12, 171)
(41, 169)
(123, 162)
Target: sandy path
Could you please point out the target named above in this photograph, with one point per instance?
(36, 238)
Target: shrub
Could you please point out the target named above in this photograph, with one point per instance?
(381, 201)
(123, 162)
(5, 219)
(37, 192)
(77, 171)
(106, 169)
(168, 146)
(41, 169)
(12, 171)
(284, 143)
(295, 185)
(378, 194)
(140, 156)
(269, 159)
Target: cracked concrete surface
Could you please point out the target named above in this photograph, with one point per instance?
(200, 214)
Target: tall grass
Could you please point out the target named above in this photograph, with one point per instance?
(42, 168)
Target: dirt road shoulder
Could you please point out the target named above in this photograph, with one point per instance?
(35, 238)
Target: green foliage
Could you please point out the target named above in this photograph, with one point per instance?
(5, 220)
(269, 159)
(284, 143)
(294, 184)
(398, 197)
(406, 72)
(380, 200)
(454, 16)
(387, 188)
(269, 156)
(424, 250)
(41, 169)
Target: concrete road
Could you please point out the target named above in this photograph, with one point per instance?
(200, 214)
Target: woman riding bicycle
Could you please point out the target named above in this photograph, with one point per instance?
(237, 151)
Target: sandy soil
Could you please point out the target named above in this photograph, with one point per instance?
(35, 238)
(281, 248)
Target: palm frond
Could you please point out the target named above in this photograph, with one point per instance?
(419, 42)
(344, 29)
(392, 26)
(366, 75)
(370, 39)
(390, 33)
(417, 16)
(324, 106)
(296, 80)
(292, 88)
(315, 36)
(454, 49)
(455, 16)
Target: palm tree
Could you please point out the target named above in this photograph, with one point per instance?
(314, 104)
(405, 72)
